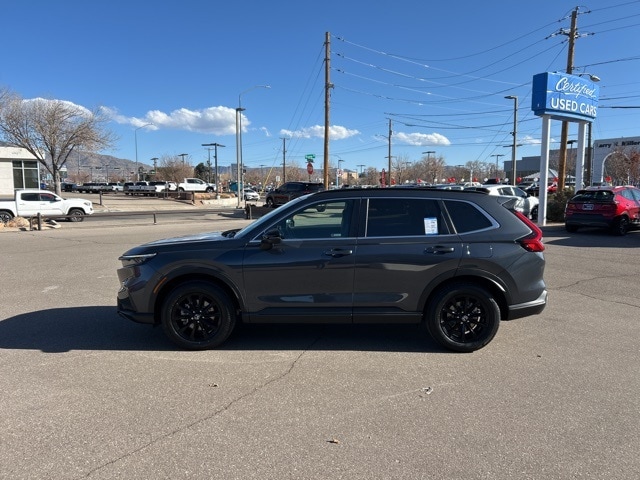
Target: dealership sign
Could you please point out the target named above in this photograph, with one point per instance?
(564, 97)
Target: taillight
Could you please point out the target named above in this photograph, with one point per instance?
(533, 241)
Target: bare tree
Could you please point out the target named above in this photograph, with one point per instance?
(431, 169)
(623, 167)
(294, 171)
(52, 129)
(173, 169)
(401, 166)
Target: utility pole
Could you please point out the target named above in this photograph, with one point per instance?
(389, 155)
(327, 98)
(564, 134)
(514, 133)
(284, 159)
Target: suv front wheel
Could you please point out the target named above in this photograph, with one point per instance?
(463, 317)
(197, 315)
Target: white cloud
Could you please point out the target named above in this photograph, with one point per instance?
(422, 139)
(266, 131)
(213, 120)
(78, 108)
(336, 132)
(529, 140)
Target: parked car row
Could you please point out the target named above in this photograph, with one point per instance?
(525, 203)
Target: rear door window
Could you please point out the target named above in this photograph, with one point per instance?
(404, 217)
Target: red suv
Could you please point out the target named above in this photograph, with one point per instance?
(615, 208)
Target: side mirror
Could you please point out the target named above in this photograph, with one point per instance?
(270, 238)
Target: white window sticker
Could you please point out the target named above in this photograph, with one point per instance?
(431, 226)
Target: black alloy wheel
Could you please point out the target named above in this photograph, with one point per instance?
(620, 226)
(197, 316)
(5, 217)
(463, 317)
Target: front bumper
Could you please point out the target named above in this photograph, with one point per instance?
(125, 311)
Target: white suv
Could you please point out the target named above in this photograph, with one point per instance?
(526, 204)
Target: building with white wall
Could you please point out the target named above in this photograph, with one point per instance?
(18, 169)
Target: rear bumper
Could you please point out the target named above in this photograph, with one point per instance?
(582, 220)
(529, 308)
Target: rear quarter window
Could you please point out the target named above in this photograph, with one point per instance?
(466, 217)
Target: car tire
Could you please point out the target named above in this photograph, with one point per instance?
(570, 228)
(620, 226)
(5, 216)
(76, 215)
(197, 315)
(534, 213)
(462, 317)
(269, 203)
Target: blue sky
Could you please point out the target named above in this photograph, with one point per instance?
(438, 71)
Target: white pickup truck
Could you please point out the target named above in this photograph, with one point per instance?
(29, 202)
(196, 185)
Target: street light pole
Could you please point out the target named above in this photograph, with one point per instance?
(339, 172)
(361, 167)
(215, 159)
(239, 166)
(497, 155)
(514, 133)
(238, 151)
(183, 155)
(155, 166)
(135, 135)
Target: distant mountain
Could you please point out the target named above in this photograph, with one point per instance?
(82, 161)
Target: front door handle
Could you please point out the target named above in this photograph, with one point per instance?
(439, 249)
(338, 252)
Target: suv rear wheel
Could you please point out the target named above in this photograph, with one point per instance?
(463, 317)
(620, 226)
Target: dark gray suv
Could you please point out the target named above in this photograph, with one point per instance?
(290, 190)
(457, 262)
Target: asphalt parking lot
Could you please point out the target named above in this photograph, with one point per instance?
(86, 394)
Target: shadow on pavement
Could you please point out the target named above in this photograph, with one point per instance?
(100, 328)
(589, 237)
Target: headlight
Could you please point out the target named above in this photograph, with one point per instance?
(132, 260)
